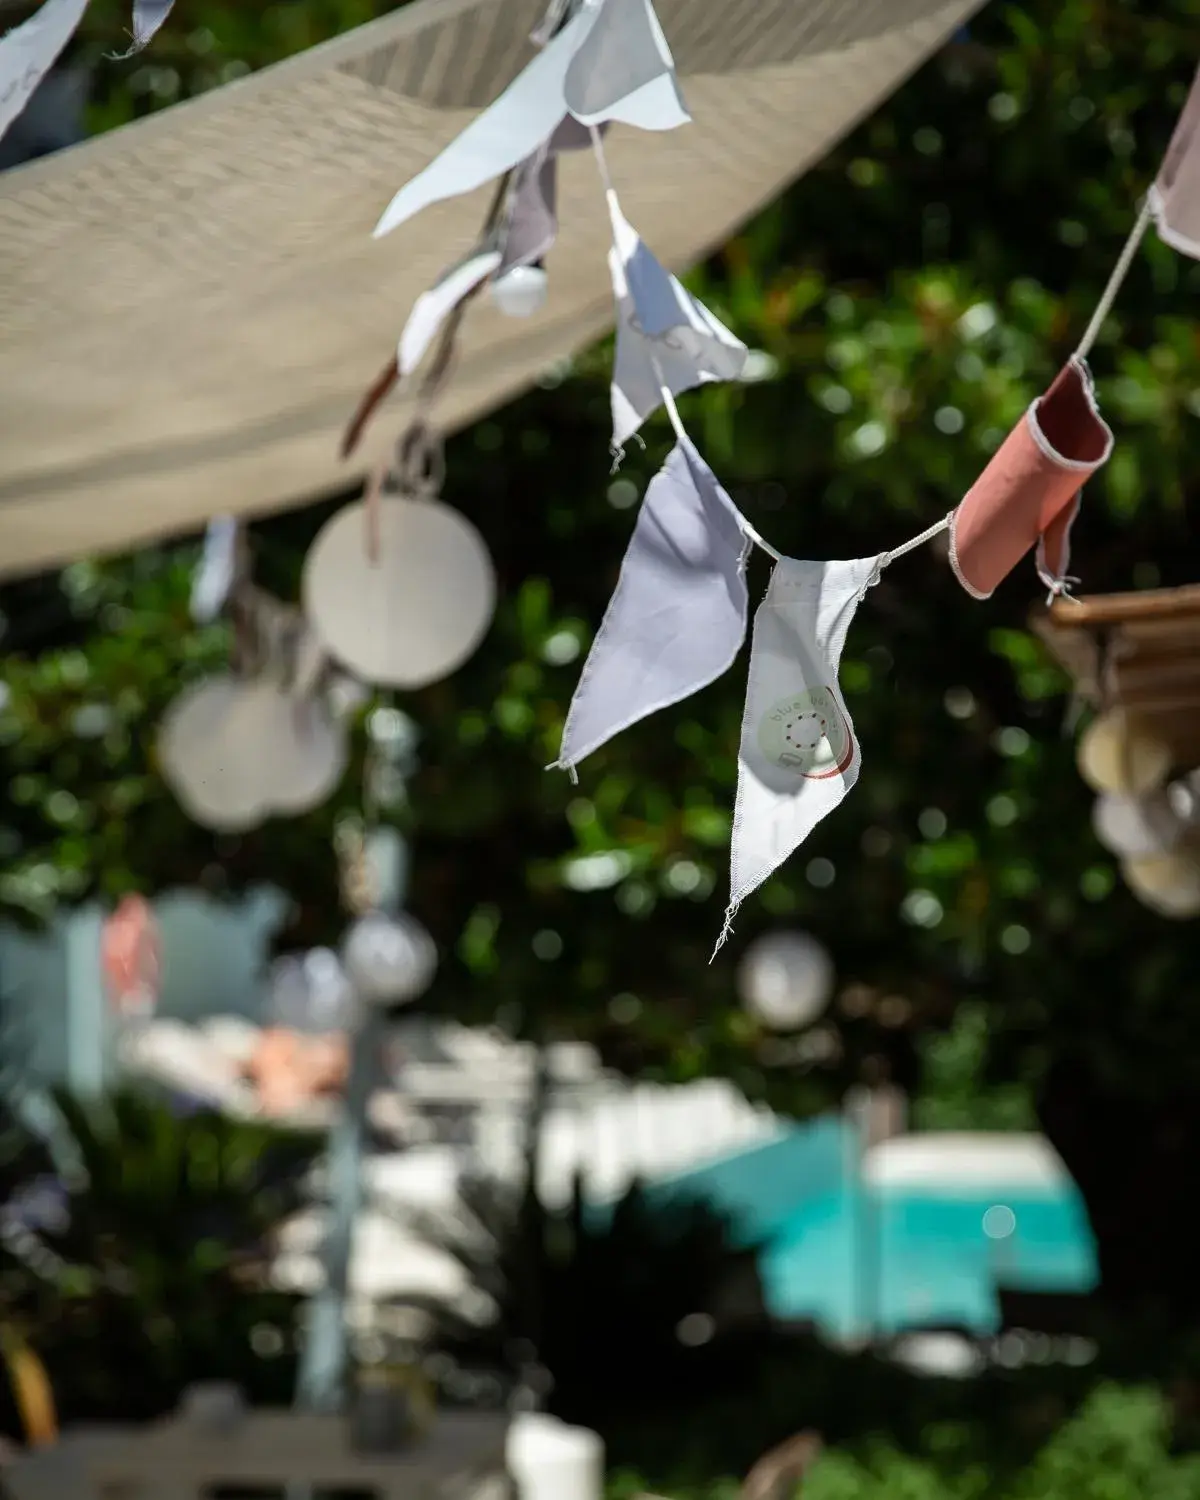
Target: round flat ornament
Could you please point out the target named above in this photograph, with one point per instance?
(202, 761)
(403, 598)
(1168, 884)
(312, 758)
(1137, 827)
(1120, 753)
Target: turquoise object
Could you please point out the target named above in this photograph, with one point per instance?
(858, 1260)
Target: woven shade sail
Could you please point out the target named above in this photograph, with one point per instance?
(190, 307)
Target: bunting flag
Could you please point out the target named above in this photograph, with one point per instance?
(148, 17)
(29, 51)
(518, 125)
(624, 71)
(798, 756)
(677, 618)
(666, 338)
(532, 210)
(525, 236)
(1029, 494)
(218, 571)
(1175, 196)
(432, 308)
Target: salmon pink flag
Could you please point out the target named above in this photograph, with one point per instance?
(1028, 495)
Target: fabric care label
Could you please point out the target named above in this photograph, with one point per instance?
(808, 734)
(798, 755)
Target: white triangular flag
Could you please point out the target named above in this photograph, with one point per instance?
(214, 578)
(148, 16)
(677, 617)
(798, 756)
(623, 70)
(1175, 195)
(29, 51)
(516, 126)
(432, 308)
(665, 337)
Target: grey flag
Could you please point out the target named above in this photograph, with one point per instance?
(666, 338)
(532, 225)
(29, 51)
(148, 16)
(1175, 196)
(514, 127)
(532, 211)
(677, 617)
(624, 71)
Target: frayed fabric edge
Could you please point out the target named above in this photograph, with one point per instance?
(568, 766)
(617, 451)
(731, 912)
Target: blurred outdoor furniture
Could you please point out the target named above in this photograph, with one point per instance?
(61, 1471)
(176, 1460)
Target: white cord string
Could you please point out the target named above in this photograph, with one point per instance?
(918, 541)
(1115, 281)
(751, 535)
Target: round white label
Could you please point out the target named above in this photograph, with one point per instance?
(808, 734)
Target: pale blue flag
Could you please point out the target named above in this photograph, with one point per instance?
(29, 51)
(677, 617)
(623, 70)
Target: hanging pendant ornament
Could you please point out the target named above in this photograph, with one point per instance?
(799, 756)
(521, 231)
(1120, 753)
(1028, 495)
(400, 588)
(785, 980)
(204, 768)
(390, 960)
(521, 292)
(1169, 884)
(1144, 827)
(317, 753)
(303, 749)
(677, 618)
(607, 82)
(241, 746)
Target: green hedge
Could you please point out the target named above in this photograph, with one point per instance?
(1116, 1447)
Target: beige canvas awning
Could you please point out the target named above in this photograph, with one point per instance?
(191, 306)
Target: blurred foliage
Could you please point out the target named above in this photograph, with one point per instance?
(1117, 1447)
(137, 1253)
(954, 1094)
(592, 1309)
(907, 298)
(1033, 1434)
